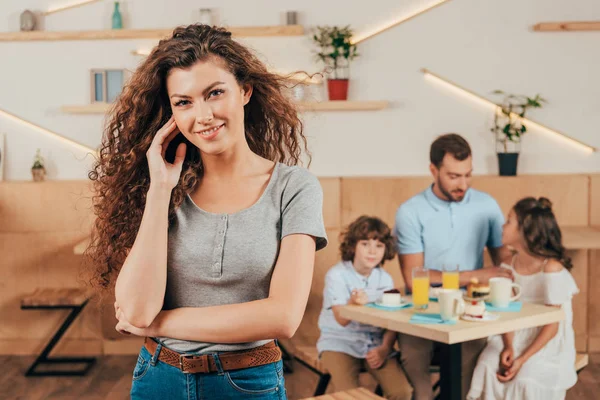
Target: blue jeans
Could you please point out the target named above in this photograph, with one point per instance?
(153, 379)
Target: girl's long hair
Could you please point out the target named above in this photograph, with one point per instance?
(540, 230)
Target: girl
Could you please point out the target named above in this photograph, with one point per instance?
(534, 363)
(346, 347)
(210, 236)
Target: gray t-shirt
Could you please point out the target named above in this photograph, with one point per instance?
(216, 259)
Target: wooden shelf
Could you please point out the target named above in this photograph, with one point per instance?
(343, 105)
(101, 108)
(567, 26)
(95, 108)
(249, 31)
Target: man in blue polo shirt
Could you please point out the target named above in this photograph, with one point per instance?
(448, 223)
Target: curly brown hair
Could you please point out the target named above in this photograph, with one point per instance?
(365, 228)
(540, 230)
(121, 176)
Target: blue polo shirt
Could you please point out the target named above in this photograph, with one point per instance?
(354, 339)
(449, 232)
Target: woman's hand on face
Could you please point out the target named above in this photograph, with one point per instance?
(163, 173)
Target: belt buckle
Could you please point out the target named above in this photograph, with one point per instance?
(203, 358)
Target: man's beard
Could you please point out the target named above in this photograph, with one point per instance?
(447, 193)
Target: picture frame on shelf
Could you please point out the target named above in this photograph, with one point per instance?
(106, 84)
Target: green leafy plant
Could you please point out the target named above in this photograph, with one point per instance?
(38, 160)
(335, 47)
(508, 118)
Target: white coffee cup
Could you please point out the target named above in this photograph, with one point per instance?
(391, 299)
(501, 292)
(451, 304)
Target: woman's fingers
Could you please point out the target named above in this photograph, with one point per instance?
(168, 140)
(180, 154)
(163, 133)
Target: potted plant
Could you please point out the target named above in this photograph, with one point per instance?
(336, 50)
(509, 128)
(37, 170)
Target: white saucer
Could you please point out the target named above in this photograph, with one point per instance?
(486, 317)
(403, 303)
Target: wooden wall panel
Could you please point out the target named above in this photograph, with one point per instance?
(568, 193)
(383, 196)
(377, 196)
(331, 202)
(580, 301)
(595, 200)
(45, 206)
(594, 301)
(326, 258)
(594, 270)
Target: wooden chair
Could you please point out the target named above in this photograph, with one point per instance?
(73, 299)
(352, 394)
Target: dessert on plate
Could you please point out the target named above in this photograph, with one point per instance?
(475, 308)
(477, 290)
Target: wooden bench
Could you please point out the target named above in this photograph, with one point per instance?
(581, 361)
(307, 355)
(352, 394)
(73, 299)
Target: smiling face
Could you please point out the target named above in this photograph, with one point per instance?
(208, 105)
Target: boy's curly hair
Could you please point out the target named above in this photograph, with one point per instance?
(365, 228)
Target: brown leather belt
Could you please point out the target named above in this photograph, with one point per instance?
(193, 364)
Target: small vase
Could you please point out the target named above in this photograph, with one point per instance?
(117, 20)
(206, 16)
(28, 21)
(38, 174)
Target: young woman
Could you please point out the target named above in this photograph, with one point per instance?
(204, 219)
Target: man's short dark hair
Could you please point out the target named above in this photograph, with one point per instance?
(450, 143)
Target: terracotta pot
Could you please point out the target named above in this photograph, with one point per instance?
(337, 89)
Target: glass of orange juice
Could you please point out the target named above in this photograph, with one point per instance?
(420, 288)
(450, 276)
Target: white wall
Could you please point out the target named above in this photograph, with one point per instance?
(483, 45)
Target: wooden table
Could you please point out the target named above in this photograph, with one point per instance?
(451, 336)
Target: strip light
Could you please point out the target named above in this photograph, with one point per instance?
(461, 91)
(361, 37)
(69, 6)
(141, 52)
(48, 132)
